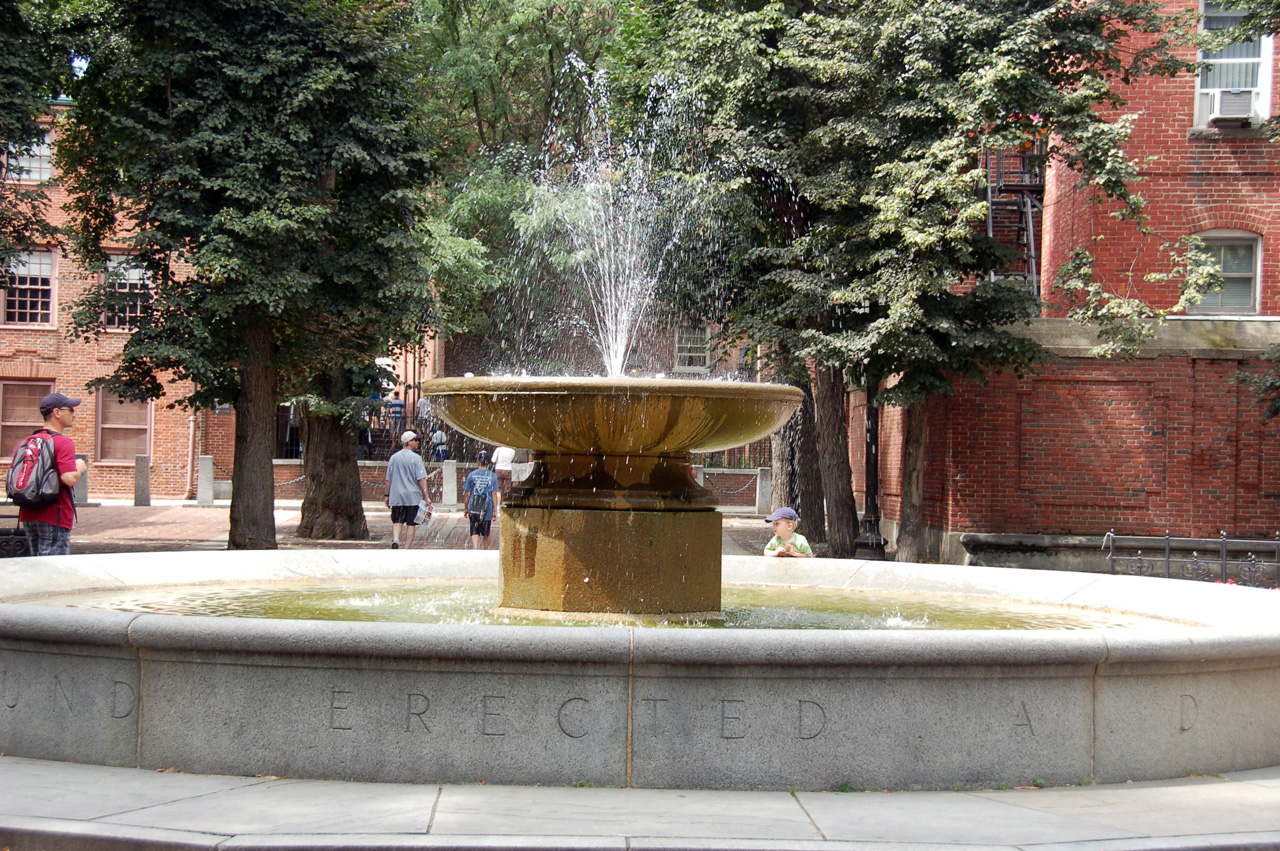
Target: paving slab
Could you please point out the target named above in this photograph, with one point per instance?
(946, 817)
(24, 833)
(33, 787)
(1176, 809)
(296, 806)
(535, 811)
(296, 842)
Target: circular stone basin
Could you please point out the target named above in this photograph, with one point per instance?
(630, 706)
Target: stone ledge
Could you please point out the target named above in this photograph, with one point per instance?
(1183, 336)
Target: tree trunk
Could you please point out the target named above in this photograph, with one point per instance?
(809, 478)
(833, 444)
(333, 508)
(253, 522)
(911, 525)
(782, 444)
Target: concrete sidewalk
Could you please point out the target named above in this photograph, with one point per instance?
(66, 807)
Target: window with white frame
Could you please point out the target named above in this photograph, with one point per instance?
(28, 291)
(130, 284)
(35, 165)
(124, 428)
(20, 410)
(692, 353)
(1234, 86)
(1236, 256)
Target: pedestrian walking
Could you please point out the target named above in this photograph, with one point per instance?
(406, 489)
(49, 528)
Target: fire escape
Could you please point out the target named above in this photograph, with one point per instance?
(1015, 206)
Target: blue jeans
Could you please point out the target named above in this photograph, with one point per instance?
(47, 539)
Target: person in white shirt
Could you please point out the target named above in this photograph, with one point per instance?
(502, 458)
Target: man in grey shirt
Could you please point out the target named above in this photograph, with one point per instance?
(406, 487)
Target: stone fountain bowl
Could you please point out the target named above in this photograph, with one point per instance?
(612, 416)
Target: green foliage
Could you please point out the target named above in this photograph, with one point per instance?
(264, 162)
(27, 85)
(859, 128)
(1267, 384)
(502, 78)
(1125, 323)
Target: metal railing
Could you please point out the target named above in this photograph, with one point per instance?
(1244, 561)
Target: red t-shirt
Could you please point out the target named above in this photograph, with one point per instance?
(60, 512)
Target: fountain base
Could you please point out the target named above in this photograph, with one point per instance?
(610, 562)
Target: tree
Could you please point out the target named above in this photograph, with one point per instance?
(860, 127)
(27, 87)
(264, 162)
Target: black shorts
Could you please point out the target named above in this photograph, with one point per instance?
(480, 527)
(404, 514)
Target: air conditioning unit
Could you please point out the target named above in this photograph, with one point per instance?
(1232, 107)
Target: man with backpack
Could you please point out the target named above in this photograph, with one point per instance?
(49, 524)
(477, 496)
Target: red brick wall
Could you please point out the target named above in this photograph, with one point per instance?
(1194, 184)
(1087, 446)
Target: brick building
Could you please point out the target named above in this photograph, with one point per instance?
(37, 357)
(1171, 441)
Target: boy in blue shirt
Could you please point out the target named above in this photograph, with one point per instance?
(480, 484)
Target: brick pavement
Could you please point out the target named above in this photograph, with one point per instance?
(115, 527)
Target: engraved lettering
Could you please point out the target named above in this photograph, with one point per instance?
(1190, 713)
(491, 722)
(338, 703)
(811, 720)
(653, 713)
(573, 731)
(66, 692)
(1024, 719)
(123, 700)
(418, 706)
(9, 688)
(731, 726)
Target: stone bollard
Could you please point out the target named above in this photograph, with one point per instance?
(80, 493)
(204, 481)
(142, 480)
(700, 474)
(764, 490)
(448, 485)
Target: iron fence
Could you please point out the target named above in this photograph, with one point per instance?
(1244, 561)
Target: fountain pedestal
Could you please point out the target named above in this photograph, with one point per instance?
(610, 520)
(612, 535)
(610, 562)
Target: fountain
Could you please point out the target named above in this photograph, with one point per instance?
(610, 520)
(631, 705)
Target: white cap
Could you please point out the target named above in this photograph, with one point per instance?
(408, 436)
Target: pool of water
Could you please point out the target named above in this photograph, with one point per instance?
(469, 602)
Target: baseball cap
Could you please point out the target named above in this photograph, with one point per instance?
(408, 436)
(783, 514)
(54, 401)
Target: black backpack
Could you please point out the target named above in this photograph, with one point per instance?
(478, 507)
(33, 480)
